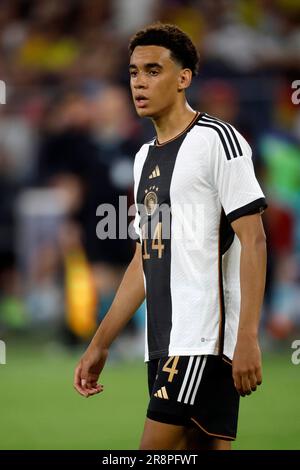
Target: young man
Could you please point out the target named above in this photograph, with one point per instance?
(203, 298)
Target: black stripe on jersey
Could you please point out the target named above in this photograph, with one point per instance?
(226, 237)
(212, 126)
(222, 245)
(222, 126)
(158, 270)
(231, 129)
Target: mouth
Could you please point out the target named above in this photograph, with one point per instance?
(141, 101)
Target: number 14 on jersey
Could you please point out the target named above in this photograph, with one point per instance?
(157, 247)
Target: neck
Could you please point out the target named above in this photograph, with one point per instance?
(173, 121)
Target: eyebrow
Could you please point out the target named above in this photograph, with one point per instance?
(149, 65)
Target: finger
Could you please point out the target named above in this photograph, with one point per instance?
(79, 390)
(77, 381)
(92, 392)
(237, 382)
(77, 377)
(253, 381)
(92, 389)
(258, 374)
(83, 383)
(99, 387)
(87, 384)
(246, 387)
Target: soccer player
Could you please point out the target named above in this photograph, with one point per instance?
(202, 266)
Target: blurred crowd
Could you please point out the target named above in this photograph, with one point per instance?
(68, 136)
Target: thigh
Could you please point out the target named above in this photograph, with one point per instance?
(162, 436)
(195, 439)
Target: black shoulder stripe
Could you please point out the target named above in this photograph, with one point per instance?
(222, 126)
(217, 129)
(230, 128)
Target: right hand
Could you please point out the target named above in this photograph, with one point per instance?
(88, 371)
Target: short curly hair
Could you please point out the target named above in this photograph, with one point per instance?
(171, 37)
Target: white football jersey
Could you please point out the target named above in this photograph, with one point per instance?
(187, 192)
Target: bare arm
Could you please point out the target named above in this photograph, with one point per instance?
(129, 297)
(246, 364)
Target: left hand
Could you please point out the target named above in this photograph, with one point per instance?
(246, 365)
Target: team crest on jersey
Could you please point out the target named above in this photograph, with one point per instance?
(151, 200)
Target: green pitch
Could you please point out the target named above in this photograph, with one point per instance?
(40, 409)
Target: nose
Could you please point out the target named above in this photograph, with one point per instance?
(140, 81)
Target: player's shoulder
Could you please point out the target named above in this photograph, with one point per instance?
(141, 156)
(221, 133)
(143, 150)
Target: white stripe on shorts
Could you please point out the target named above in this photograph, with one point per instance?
(186, 400)
(187, 372)
(192, 385)
(198, 380)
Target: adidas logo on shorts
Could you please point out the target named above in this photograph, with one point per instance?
(162, 393)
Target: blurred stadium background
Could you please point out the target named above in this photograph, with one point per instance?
(68, 135)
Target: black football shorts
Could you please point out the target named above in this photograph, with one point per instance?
(194, 390)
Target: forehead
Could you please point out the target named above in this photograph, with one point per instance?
(150, 54)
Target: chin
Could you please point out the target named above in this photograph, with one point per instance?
(144, 112)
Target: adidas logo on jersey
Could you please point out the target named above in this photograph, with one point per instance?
(155, 173)
(162, 393)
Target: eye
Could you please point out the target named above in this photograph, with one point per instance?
(153, 72)
(133, 73)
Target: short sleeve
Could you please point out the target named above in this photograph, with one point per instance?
(238, 189)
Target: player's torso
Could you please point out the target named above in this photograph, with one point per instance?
(180, 218)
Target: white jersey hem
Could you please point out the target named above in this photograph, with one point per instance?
(213, 350)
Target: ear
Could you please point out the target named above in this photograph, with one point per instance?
(184, 79)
